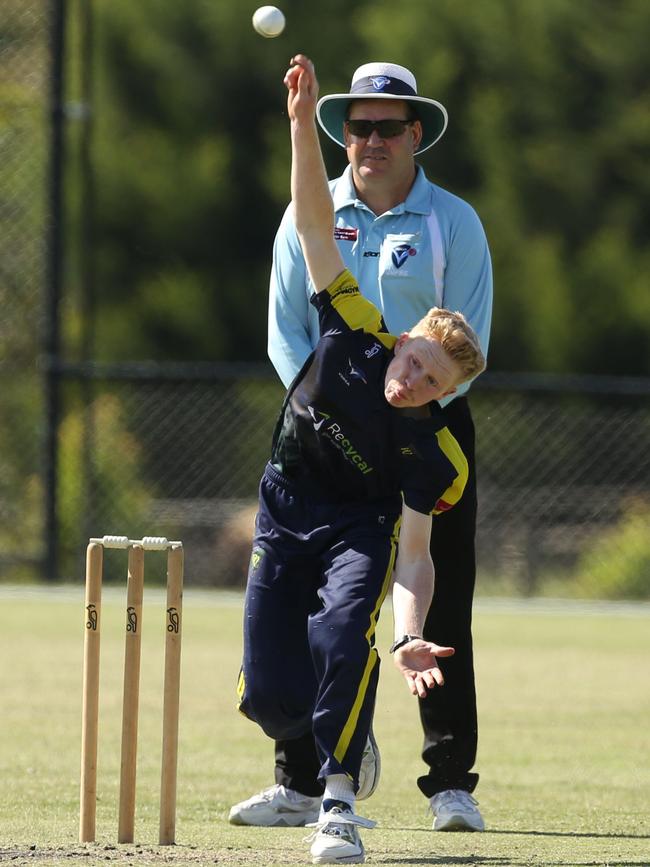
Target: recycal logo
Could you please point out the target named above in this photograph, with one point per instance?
(317, 417)
(334, 433)
(401, 254)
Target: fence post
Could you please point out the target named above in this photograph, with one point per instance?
(52, 290)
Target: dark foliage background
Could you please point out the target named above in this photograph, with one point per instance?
(549, 139)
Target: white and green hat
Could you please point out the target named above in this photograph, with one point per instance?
(382, 81)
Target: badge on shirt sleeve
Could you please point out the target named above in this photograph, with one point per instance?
(442, 505)
(345, 233)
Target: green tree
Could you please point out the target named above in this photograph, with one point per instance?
(192, 170)
(548, 138)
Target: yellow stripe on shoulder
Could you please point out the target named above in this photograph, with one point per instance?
(355, 310)
(452, 450)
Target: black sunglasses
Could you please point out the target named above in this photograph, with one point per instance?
(385, 128)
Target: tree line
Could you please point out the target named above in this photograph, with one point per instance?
(548, 139)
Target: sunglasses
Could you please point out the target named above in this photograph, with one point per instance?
(385, 128)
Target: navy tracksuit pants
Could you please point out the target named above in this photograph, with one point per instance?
(318, 575)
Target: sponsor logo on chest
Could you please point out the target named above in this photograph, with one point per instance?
(332, 430)
(401, 254)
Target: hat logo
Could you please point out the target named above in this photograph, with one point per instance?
(379, 82)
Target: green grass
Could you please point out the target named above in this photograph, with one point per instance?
(564, 750)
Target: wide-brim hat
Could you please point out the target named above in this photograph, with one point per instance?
(382, 81)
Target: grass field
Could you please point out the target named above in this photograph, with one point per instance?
(564, 752)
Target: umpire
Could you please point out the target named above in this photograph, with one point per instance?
(411, 245)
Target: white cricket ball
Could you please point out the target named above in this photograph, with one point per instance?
(269, 21)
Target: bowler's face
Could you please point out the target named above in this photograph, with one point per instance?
(420, 371)
(381, 157)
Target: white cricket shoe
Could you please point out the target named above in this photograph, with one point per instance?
(275, 807)
(370, 769)
(279, 806)
(456, 810)
(336, 839)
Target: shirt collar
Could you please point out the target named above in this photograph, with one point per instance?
(418, 200)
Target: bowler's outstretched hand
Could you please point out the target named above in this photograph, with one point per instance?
(418, 663)
(302, 85)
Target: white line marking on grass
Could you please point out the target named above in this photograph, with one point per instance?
(214, 597)
(568, 607)
(115, 593)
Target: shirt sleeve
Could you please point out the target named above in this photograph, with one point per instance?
(289, 339)
(433, 467)
(468, 278)
(342, 307)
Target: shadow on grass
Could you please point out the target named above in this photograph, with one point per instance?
(441, 860)
(580, 834)
(490, 861)
(587, 835)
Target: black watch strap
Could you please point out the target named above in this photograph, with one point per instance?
(402, 641)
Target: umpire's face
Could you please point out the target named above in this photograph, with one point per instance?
(388, 158)
(420, 371)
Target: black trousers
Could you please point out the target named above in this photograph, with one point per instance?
(448, 715)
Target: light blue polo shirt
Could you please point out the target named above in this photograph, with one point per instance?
(429, 251)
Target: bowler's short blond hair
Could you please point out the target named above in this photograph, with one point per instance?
(457, 338)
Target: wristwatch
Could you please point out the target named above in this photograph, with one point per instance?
(402, 641)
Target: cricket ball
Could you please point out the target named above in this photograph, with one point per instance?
(269, 21)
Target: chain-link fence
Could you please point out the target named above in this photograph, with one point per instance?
(564, 473)
(564, 484)
(24, 131)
